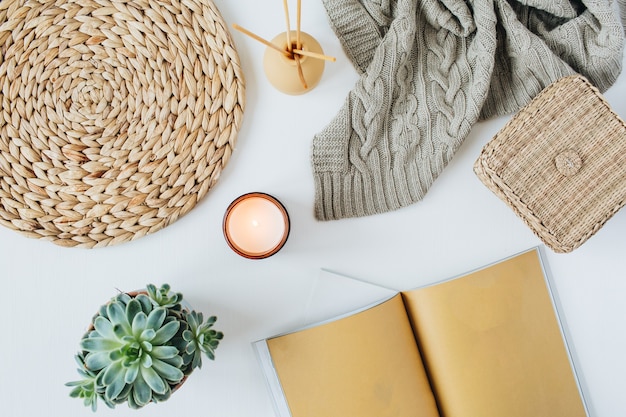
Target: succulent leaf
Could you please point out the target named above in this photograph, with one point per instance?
(145, 344)
(176, 361)
(147, 334)
(99, 344)
(115, 371)
(98, 360)
(132, 309)
(164, 352)
(115, 388)
(162, 397)
(131, 374)
(146, 304)
(122, 298)
(166, 332)
(104, 327)
(121, 332)
(167, 371)
(146, 361)
(152, 378)
(194, 319)
(156, 318)
(142, 393)
(139, 324)
(123, 396)
(152, 290)
(117, 315)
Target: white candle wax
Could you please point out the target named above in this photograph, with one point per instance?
(256, 225)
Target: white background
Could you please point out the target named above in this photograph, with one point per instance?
(51, 292)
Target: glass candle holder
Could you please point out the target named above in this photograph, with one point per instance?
(256, 225)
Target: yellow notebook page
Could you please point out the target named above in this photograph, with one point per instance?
(364, 365)
(493, 346)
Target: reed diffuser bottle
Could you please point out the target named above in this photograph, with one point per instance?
(294, 60)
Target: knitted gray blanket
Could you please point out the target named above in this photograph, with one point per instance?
(430, 69)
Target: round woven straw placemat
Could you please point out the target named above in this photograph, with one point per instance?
(116, 117)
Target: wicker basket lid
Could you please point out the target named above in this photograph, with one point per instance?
(116, 117)
(560, 163)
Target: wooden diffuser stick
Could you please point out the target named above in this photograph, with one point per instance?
(260, 39)
(298, 20)
(289, 45)
(300, 72)
(314, 55)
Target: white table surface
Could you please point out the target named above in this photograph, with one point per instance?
(51, 292)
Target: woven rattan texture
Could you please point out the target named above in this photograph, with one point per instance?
(560, 163)
(116, 117)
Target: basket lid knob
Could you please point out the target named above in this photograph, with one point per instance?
(568, 162)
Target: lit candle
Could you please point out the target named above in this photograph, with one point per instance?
(256, 225)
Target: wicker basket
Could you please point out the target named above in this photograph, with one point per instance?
(560, 163)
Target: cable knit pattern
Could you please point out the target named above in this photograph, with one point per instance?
(430, 69)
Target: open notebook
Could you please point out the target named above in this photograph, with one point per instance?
(485, 344)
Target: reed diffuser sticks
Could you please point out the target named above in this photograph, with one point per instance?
(292, 50)
(290, 45)
(293, 47)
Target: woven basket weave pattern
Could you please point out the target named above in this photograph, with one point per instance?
(116, 117)
(560, 163)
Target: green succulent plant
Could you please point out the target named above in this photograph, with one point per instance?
(140, 347)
